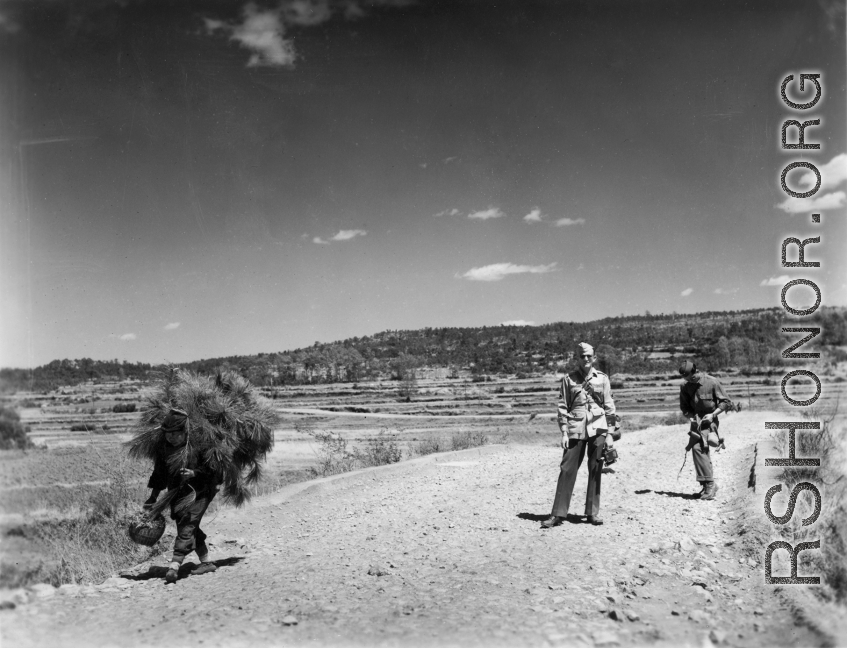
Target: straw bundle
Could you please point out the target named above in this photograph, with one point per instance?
(230, 429)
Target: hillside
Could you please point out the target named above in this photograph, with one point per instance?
(632, 344)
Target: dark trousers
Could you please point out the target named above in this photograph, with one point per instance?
(189, 535)
(571, 461)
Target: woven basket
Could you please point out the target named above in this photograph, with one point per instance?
(147, 532)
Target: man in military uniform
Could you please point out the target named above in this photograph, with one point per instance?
(702, 399)
(584, 412)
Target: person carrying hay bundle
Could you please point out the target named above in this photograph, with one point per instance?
(202, 434)
(193, 489)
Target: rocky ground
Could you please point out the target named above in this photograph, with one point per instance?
(448, 550)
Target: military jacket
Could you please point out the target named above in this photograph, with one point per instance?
(576, 395)
(702, 396)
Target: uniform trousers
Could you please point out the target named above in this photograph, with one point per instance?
(571, 461)
(700, 452)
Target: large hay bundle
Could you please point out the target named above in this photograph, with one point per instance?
(230, 428)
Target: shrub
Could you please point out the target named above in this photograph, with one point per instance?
(380, 450)
(468, 439)
(84, 427)
(13, 433)
(123, 407)
(333, 456)
(429, 445)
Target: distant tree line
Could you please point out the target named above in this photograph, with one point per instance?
(633, 344)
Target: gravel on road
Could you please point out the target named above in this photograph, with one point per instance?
(448, 551)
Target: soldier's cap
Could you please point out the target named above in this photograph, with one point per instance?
(584, 348)
(687, 368)
(174, 421)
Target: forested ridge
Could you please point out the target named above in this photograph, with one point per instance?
(745, 339)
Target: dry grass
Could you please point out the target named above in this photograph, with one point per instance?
(427, 445)
(831, 527)
(468, 439)
(90, 545)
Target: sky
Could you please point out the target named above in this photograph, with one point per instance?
(205, 178)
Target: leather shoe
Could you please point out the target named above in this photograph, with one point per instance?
(553, 520)
(709, 492)
(595, 520)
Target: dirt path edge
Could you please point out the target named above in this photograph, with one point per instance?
(823, 617)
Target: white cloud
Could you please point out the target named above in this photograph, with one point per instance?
(262, 32)
(346, 235)
(807, 205)
(776, 281)
(352, 10)
(448, 212)
(726, 291)
(535, 216)
(686, 292)
(496, 271)
(127, 336)
(517, 323)
(564, 222)
(306, 13)
(450, 159)
(171, 326)
(833, 173)
(423, 165)
(486, 214)
(319, 241)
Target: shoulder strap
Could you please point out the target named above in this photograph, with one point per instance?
(591, 393)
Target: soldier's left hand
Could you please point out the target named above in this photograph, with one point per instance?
(187, 473)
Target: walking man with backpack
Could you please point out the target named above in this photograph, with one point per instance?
(702, 399)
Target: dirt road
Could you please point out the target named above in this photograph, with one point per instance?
(448, 550)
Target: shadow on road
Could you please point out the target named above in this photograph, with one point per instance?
(688, 496)
(156, 571)
(537, 517)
